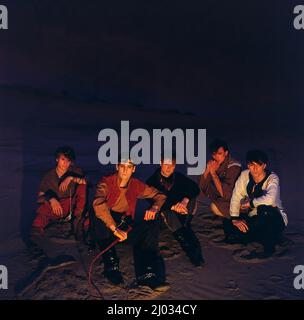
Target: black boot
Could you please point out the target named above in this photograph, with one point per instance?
(111, 267)
(149, 268)
(190, 244)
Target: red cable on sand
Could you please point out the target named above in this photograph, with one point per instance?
(96, 258)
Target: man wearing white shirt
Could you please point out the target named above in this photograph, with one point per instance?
(256, 209)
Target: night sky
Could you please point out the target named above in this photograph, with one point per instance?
(191, 56)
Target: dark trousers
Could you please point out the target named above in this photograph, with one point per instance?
(266, 227)
(144, 238)
(175, 221)
(180, 226)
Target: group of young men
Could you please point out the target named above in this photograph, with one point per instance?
(248, 202)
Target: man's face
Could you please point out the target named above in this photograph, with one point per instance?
(63, 162)
(167, 167)
(257, 170)
(219, 155)
(125, 170)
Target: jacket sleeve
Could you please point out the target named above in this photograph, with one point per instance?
(204, 182)
(152, 193)
(229, 181)
(239, 192)
(271, 193)
(46, 196)
(191, 188)
(45, 193)
(101, 209)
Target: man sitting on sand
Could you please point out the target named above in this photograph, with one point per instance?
(217, 182)
(180, 206)
(62, 196)
(114, 206)
(256, 208)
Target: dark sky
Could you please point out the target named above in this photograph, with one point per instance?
(186, 55)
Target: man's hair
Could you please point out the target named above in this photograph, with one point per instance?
(257, 156)
(66, 151)
(165, 155)
(218, 143)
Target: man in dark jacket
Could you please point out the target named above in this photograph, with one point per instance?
(180, 206)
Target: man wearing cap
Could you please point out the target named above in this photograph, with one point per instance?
(114, 209)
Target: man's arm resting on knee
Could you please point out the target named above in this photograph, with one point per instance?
(44, 197)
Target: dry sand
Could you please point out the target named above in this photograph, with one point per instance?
(31, 130)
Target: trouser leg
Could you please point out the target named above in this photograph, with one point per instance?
(190, 244)
(79, 206)
(38, 242)
(103, 238)
(270, 226)
(148, 263)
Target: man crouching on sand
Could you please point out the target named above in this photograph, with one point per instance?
(217, 183)
(62, 196)
(116, 197)
(180, 206)
(256, 209)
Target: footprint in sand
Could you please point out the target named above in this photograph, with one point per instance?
(210, 233)
(282, 253)
(169, 253)
(276, 278)
(293, 237)
(238, 256)
(186, 273)
(232, 285)
(145, 293)
(218, 241)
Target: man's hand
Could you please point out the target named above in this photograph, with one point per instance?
(241, 225)
(65, 183)
(80, 180)
(56, 207)
(245, 205)
(181, 207)
(122, 235)
(213, 166)
(151, 213)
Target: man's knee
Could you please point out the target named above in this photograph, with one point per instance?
(43, 214)
(44, 209)
(171, 219)
(216, 210)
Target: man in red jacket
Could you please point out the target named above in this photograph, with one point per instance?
(116, 197)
